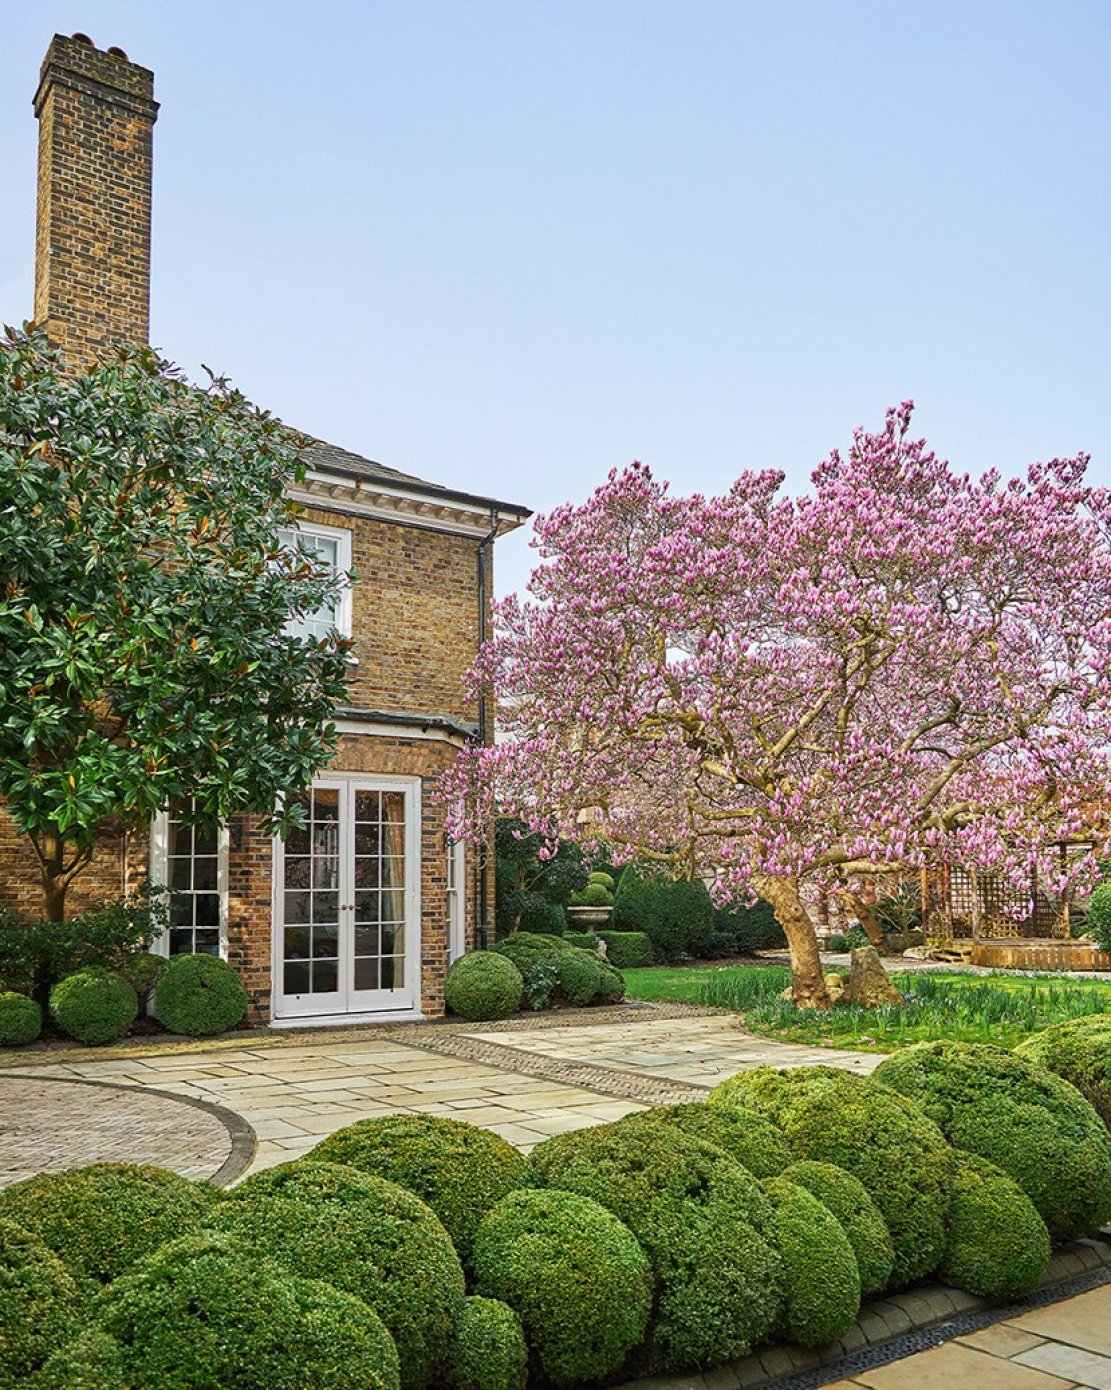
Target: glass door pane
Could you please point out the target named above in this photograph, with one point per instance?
(310, 898)
(379, 938)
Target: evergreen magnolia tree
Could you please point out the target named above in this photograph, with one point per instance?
(786, 694)
(144, 600)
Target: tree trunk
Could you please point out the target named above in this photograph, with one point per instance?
(865, 912)
(807, 981)
(54, 879)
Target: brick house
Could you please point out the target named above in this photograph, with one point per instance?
(360, 914)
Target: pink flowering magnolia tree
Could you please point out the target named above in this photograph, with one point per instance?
(785, 694)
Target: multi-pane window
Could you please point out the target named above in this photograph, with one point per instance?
(311, 897)
(379, 890)
(193, 871)
(454, 894)
(332, 548)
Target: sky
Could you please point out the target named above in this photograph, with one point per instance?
(508, 246)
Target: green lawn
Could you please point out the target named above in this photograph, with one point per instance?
(996, 1008)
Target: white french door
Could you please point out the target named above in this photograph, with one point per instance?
(347, 900)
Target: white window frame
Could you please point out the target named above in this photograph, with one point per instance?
(342, 536)
(160, 873)
(455, 891)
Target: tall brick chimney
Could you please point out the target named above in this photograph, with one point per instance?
(96, 115)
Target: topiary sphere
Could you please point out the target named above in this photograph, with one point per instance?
(748, 1138)
(600, 876)
(101, 1219)
(575, 1275)
(489, 1351)
(1007, 1109)
(1080, 1052)
(364, 1235)
(579, 976)
(859, 1217)
(701, 1219)
(483, 985)
(94, 1005)
(998, 1244)
(199, 995)
(460, 1170)
(20, 1020)
(880, 1137)
(207, 1311)
(821, 1277)
(92, 1361)
(39, 1304)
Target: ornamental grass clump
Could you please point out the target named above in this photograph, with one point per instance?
(1080, 1052)
(998, 1245)
(20, 1020)
(482, 986)
(859, 1217)
(489, 1351)
(460, 1170)
(574, 1274)
(99, 1220)
(365, 1236)
(199, 995)
(821, 1277)
(701, 1219)
(899, 1155)
(1015, 1113)
(748, 1138)
(207, 1311)
(39, 1304)
(94, 1005)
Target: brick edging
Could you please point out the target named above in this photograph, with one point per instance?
(895, 1326)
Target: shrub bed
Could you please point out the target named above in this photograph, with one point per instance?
(489, 1351)
(1080, 1052)
(998, 1245)
(483, 985)
(1007, 1109)
(754, 1142)
(365, 1236)
(821, 1277)
(899, 1155)
(628, 950)
(847, 1198)
(199, 995)
(207, 1311)
(581, 977)
(38, 1304)
(101, 1219)
(460, 1170)
(558, 1260)
(700, 1218)
(20, 1020)
(94, 1005)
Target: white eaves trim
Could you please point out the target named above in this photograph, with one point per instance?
(361, 497)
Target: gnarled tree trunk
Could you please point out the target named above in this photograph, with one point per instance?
(866, 915)
(807, 982)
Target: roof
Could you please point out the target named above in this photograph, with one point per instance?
(330, 458)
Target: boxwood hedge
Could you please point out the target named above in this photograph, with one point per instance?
(700, 1217)
(94, 1005)
(483, 985)
(365, 1236)
(1080, 1052)
(821, 1277)
(199, 995)
(899, 1155)
(20, 1020)
(489, 1351)
(998, 1245)
(99, 1220)
(1015, 1113)
(847, 1198)
(575, 1275)
(754, 1142)
(628, 950)
(460, 1170)
(39, 1304)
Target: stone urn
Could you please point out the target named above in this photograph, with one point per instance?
(589, 918)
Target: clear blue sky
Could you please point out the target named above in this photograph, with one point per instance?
(508, 245)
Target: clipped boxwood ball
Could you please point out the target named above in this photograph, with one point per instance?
(207, 1311)
(611, 989)
(899, 1155)
(483, 985)
(101, 1219)
(1013, 1112)
(39, 1304)
(20, 1020)
(1080, 1052)
(754, 1142)
(821, 1277)
(94, 1005)
(700, 1218)
(574, 1274)
(461, 1171)
(859, 1217)
(199, 995)
(489, 1351)
(998, 1244)
(364, 1235)
(92, 1361)
(579, 976)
